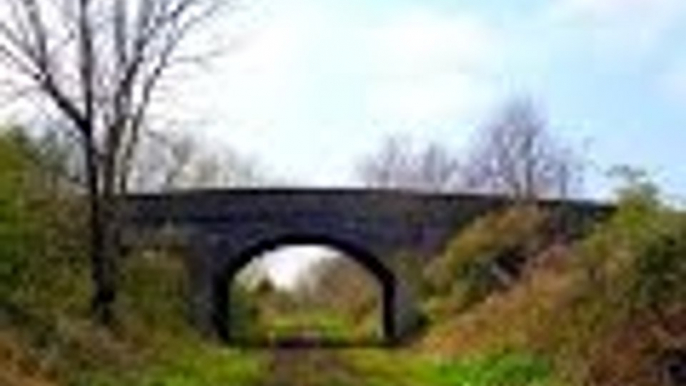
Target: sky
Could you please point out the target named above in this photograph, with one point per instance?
(285, 266)
(310, 86)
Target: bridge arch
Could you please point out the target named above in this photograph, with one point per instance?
(224, 229)
(369, 261)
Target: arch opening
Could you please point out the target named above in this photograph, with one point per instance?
(300, 315)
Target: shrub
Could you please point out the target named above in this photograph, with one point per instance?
(603, 313)
(15, 232)
(630, 282)
(244, 315)
(658, 274)
(42, 264)
(464, 272)
(44, 293)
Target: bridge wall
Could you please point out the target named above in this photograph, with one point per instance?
(224, 230)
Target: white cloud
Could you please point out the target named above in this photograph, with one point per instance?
(635, 25)
(249, 87)
(613, 8)
(426, 66)
(420, 41)
(431, 99)
(310, 74)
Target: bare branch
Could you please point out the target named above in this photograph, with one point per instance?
(397, 164)
(99, 63)
(516, 155)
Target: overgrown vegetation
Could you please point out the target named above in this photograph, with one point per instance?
(338, 302)
(508, 304)
(503, 368)
(604, 310)
(485, 257)
(46, 334)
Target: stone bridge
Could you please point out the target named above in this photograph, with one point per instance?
(223, 230)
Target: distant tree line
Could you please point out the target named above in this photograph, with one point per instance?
(515, 154)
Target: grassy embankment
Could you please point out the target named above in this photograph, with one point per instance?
(599, 312)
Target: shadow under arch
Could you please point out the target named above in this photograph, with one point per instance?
(382, 274)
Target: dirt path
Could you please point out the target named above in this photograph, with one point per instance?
(309, 366)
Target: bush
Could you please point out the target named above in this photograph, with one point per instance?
(45, 288)
(603, 313)
(153, 292)
(630, 286)
(464, 272)
(41, 233)
(244, 316)
(15, 230)
(659, 270)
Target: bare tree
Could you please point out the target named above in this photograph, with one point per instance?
(436, 169)
(174, 160)
(388, 167)
(397, 164)
(98, 64)
(517, 155)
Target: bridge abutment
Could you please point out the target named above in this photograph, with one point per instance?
(405, 312)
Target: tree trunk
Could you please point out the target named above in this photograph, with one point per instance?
(102, 264)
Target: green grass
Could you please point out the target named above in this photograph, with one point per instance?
(77, 353)
(312, 324)
(320, 324)
(184, 365)
(206, 368)
(406, 369)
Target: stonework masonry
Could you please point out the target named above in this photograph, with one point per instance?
(223, 230)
